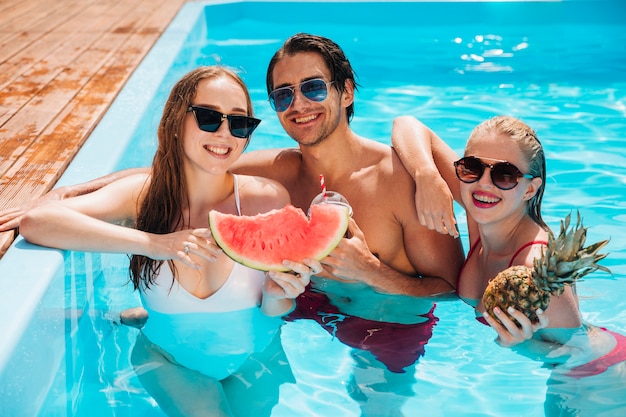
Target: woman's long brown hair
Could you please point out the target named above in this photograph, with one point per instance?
(166, 197)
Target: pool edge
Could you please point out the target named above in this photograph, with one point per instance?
(27, 271)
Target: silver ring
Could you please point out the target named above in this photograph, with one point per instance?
(186, 249)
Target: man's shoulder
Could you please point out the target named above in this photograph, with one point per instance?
(268, 156)
(373, 152)
(266, 162)
(388, 163)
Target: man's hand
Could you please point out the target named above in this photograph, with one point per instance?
(352, 259)
(434, 204)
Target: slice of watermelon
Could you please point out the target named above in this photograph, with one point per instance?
(265, 240)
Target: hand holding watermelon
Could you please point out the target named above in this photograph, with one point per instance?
(281, 288)
(291, 284)
(353, 260)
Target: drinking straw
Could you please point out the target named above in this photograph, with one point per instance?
(323, 184)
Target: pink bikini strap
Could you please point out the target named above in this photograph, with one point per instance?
(534, 242)
(473, 248)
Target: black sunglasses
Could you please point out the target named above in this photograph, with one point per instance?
(210, 120)
(504, 175)
(314, 90)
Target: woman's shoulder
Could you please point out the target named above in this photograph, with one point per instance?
(529, 246)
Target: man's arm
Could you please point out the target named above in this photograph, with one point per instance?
(437, 257)
(11, 218)
(438, 263)
(430, 161)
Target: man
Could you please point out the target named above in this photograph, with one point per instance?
(389, 250)
(311, 85)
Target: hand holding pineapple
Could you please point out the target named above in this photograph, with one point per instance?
(513, 327)
(564, 261)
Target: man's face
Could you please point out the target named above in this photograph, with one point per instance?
(308, 122)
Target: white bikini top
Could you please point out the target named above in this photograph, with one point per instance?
(241, 290)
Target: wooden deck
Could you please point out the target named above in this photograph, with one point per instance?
(62, 63)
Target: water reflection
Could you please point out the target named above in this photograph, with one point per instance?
(212, 364)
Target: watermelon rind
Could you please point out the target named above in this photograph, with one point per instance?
(263, 241)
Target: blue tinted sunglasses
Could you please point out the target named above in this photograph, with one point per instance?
(314, 90)
(210, 120)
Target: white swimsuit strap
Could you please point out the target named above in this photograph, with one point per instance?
(237, 202)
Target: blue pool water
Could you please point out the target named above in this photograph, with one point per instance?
(559, 66)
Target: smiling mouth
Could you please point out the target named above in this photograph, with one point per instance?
(305, 119)
(218, 150)
(485, 199)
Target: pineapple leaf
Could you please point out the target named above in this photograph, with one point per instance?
(566, 259)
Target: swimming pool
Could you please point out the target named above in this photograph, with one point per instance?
(558, 66)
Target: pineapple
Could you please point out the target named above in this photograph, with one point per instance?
(564, 261)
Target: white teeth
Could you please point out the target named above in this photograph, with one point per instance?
(217, 150)
(485, 199)
(305, 119)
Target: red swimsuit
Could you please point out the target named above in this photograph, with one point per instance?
(395, 345)
(473, 248)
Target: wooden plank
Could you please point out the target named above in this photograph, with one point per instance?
(13, 10)
(7, 5)
(29, 80)
(31, 121)
(160, 19)
(28, 123)
(6, 238)
(56, 53)
(39, 46)
(78, 64)
(41, 164)
(26, 16)
(20, 33)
